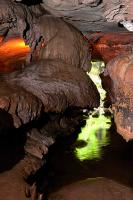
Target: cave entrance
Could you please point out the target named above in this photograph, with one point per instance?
(95, 133)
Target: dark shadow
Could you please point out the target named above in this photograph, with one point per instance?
(31, 2)
(11, 148)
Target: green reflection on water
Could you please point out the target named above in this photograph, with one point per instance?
(95, 133)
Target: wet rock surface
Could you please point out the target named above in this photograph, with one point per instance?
(120, 91)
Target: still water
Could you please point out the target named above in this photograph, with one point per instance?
(95, 133)
(97, 152)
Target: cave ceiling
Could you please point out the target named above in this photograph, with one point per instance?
(89, 15)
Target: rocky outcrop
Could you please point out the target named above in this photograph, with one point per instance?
(22, 106)
(120, 70)
(53, 83)
(106, 46)
(47, 86)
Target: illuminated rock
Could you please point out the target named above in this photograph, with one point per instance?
(120, 90)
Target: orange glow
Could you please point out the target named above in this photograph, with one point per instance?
(14, 44)
(106, 46)
(13, 54)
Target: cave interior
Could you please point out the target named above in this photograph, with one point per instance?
(51, 53)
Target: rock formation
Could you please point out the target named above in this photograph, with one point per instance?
(36, 99)
(91, 15)
(119, 70)
(46, 97)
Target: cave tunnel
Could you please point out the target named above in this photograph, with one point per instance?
(65, 101)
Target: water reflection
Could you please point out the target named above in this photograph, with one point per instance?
(95, 134)
(69, 167)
